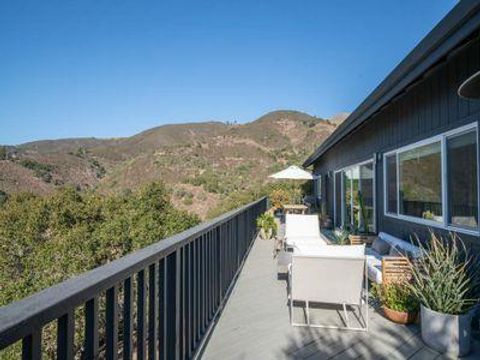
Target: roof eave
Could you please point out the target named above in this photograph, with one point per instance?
(457, 25)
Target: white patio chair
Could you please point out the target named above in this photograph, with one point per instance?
(332, 274)
(302, 231)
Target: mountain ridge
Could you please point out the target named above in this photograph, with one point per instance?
(202, 162)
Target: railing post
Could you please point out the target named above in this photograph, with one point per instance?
(127, 318)
(173, 306)
(152, 311)
(112, 323)
(65, 336)
(91, 328)
(162, 307)
(141, 315)
(32, 346)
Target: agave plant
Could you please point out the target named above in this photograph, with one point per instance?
(446, 278)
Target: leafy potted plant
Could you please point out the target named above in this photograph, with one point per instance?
(267, 225)
(399, 304)
(446, 282)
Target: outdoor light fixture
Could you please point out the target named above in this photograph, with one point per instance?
(470, 89)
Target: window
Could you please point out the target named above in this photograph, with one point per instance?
(463, 180)
(355, 197)
(435, 182)
(420, 182)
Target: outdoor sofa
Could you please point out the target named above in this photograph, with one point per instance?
(389, 257)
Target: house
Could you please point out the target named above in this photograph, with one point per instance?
(408, 156)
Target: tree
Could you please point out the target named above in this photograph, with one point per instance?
(3, 153)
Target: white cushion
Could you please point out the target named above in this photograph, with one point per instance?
(335, 251)
(374, 265)
(392, 240)
(305, 240)
(301, 226)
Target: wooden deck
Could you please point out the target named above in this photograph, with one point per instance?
(255, 325)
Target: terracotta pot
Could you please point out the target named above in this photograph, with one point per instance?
(400, 317)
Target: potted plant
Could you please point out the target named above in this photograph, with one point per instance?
(399, 304)
(446, 282)
(267, 225)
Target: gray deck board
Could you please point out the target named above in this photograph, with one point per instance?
(255, 325)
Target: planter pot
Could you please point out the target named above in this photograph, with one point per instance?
(400, 317)
(445, 333)
(266, 235)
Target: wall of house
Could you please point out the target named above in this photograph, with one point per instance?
(429, 107)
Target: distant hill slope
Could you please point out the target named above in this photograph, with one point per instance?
(202, 162)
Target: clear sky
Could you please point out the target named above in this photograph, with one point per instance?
(113, 68)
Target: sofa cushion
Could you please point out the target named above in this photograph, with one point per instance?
(374, 265)
(413, 250)
(399, 251)
(381, 246)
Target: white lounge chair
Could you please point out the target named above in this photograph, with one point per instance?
(302, 233)
(335, 274)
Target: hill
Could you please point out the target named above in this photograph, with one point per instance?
(202, 163)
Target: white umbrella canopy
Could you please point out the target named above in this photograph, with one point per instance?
(294, 173)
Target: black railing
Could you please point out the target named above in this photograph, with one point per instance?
(170, 295)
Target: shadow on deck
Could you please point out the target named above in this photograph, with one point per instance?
(255, 325)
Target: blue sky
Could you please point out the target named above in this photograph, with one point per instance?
(113, 68)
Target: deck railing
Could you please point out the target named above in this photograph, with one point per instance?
(170, 294)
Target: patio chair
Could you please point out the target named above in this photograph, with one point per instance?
(335, 274)
(302, 231)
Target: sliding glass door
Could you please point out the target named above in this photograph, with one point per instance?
(355, 197)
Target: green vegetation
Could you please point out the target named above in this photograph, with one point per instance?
(45, 240)
(446, 278)
(3, 153)
(41, 171)
(267, 225)
(289, 190)
(3, 197)
(396, 296)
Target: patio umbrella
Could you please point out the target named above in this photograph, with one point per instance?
(294, 173)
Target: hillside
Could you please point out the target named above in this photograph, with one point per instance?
(203, 163)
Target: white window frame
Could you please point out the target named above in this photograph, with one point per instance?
(442, 138)
(342, 189)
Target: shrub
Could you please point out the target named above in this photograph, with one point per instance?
(446, 278)
(3, 153)
(279, 197)
(396, 296)
(267, 225)
(42, 171)
(45, 240)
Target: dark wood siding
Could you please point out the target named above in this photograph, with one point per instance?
(428, 107)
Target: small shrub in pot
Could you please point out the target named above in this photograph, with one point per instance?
(267, 225)
(399, 304)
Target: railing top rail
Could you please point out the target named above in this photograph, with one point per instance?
(24, 316)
